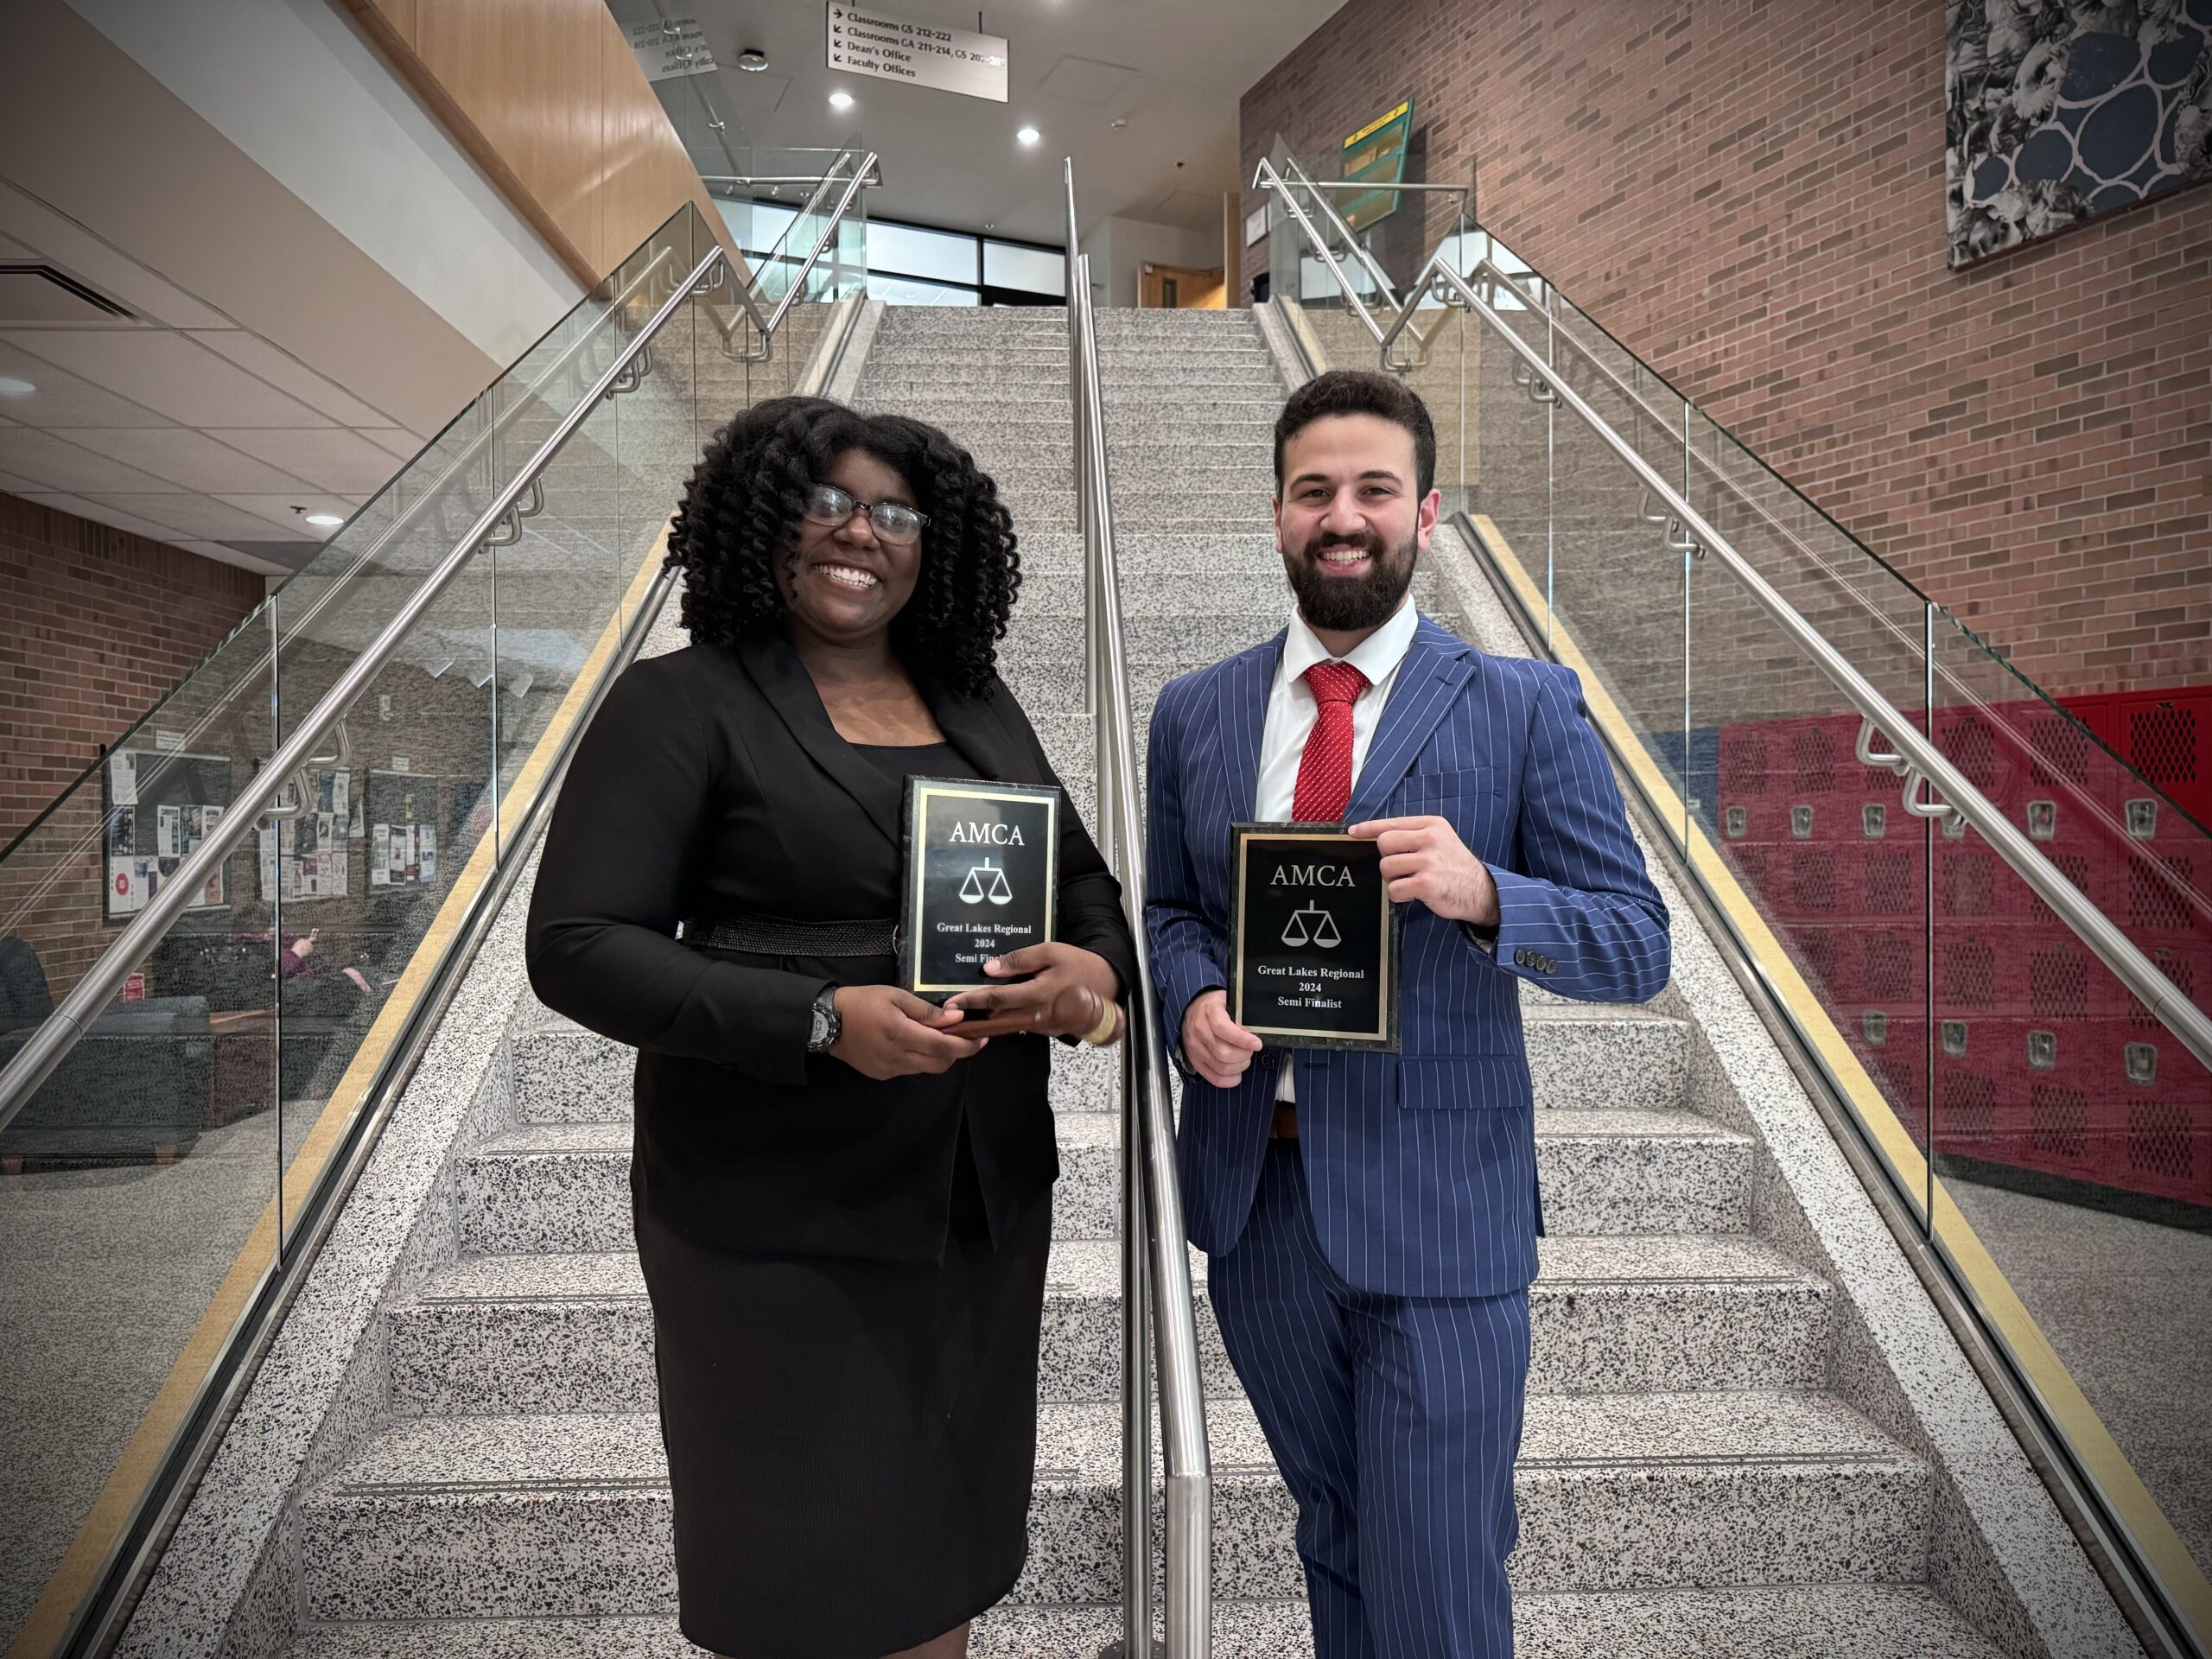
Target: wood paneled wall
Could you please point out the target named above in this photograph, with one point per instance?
(546, 96)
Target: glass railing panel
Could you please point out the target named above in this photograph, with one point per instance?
(586, 561)
(2073, 1130)
(137, 1184)
(384, 853)
(1814, 847)
(144, 1187)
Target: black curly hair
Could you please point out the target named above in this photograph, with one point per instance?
(740, 513)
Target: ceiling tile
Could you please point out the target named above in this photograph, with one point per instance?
(1087, 80)
(57, 465)
(62, 399)
(122, 518)
(287, 373)
(85, 256)
(193, 460)
(329, 457)
(281, 560)
(276, 510)
(167, 372)
(11, 485)
(399, 440)
(199, 517)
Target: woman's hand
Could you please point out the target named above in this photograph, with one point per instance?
(884, 1032)
(1069, 993)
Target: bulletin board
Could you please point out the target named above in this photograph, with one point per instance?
(309, 856)
(161, 805)
(401, 814)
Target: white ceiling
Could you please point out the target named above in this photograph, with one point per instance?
(170, 420)
(1173, 69)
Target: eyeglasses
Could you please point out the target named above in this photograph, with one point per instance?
(893, 520)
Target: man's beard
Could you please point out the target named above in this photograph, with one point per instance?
(1343, 604)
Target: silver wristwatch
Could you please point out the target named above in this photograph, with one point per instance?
(827, 1027)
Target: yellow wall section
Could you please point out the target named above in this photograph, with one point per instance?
(546, 97)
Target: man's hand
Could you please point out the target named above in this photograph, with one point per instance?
(1219, 1049)
(1423, 858)
(884, 1032)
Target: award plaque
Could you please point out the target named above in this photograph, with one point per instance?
(982, 875)
(1314, 940)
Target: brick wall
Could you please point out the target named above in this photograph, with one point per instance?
(1749, 194)
(94, 625)
(98, 623)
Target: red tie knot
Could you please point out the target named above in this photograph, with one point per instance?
(1335, 682)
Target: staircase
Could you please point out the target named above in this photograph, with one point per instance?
(1687, 1484)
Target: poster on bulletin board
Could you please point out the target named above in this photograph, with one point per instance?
(161, 804)
(305, 857)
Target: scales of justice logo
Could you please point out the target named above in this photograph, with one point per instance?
(977, 889)
(1311, 925)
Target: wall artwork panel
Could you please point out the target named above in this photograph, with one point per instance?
(2059, 110)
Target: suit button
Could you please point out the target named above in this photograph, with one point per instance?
(1520, 958)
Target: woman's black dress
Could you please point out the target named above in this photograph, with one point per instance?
(847, 1275)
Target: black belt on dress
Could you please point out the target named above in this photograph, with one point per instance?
(775, 936)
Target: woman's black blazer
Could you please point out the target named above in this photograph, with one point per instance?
(712, 786)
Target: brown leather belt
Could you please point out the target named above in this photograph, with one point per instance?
(1286, 1124)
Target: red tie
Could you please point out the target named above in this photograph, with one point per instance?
(1325, 768)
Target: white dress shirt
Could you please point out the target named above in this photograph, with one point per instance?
(1292, 712)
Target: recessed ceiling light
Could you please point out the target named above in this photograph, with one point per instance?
(752, 58)
(13, 386)
(1029, 135)
(324, 520)
(841, 100)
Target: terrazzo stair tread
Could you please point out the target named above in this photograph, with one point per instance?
(565, 1187)
(565, 1074)
(493, 1516)
(1185, 642)
(1818, 1621)
(1636, 1491)
(573, 1334)
(1610, 1171)
(1147, 598)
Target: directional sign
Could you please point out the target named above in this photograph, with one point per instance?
(921, 54)
(669, 48)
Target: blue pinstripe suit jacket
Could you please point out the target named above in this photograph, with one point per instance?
(1422, 1166)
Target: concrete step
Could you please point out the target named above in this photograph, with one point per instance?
(1178, 554)
(1813, 1621)
(531, 1515)
(563, 1188)
(1579, 1055)
(512, 1334)
(565, 1074)
(1167, 508)
(1247, 476)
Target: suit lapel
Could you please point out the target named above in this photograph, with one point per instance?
(1436, 664)
(973, 726)
(782, 679)
(1240, 710)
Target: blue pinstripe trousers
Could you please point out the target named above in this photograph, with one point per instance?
(1395, 1420)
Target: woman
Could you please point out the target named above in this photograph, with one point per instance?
(842, 1192)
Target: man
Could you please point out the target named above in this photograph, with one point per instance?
(1372, 1218)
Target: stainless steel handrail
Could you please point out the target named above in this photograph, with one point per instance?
(61, 1029)
(50, 1044)
(1360, 250)
(1910, 754)
(1265, 177)
(1156, 1264)
(411, 514)
(767, 326)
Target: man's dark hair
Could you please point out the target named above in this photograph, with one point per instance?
(1361, 391)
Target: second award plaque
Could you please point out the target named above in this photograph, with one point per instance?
(1314, 939)
(982, 876)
